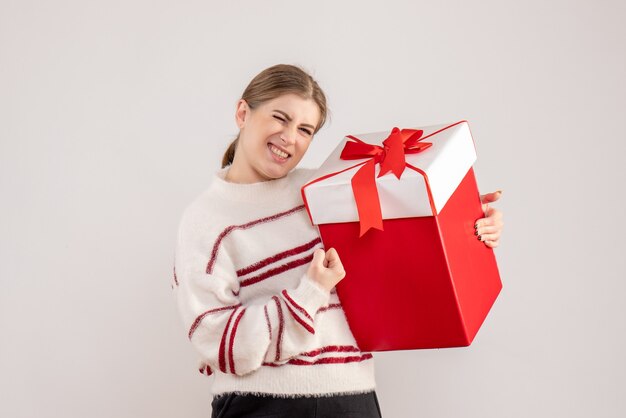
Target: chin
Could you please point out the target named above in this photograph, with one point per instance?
(275, 173)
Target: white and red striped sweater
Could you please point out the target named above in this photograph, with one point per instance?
(259, 324)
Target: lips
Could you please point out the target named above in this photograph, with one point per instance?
(270, 145)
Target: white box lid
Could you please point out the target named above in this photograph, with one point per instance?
(444, 164)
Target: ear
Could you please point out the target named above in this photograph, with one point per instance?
(241, 113)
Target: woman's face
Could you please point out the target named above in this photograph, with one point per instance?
(273, 137)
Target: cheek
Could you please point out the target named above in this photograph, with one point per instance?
(299, 151)
(263, 131)
(271, 127)
(304, 146)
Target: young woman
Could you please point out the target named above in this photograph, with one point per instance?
(254, 286)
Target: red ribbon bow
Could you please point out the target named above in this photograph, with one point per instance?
(391, 157)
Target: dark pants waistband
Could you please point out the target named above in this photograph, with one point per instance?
(362, 405)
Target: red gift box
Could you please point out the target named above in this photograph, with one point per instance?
(401, 216)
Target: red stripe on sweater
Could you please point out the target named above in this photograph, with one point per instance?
(300, 320)
(232, 342)
(199, 319)
(331, 349)
(331, 306)
(223, 343)
(229, 229)
(206, 370)
(273, 272)
(269, 260)
(324, 360)
(267, 320)
(331, 360)
(281, 324)
(332, 292)
(298, 307)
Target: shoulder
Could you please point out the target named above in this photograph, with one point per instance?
(209, 213)
(302, 175)
(204, 215)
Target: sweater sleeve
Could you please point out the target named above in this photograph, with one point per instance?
(235, 337)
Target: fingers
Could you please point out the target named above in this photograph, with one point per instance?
(492, 244)
(493, 218)
(332, 258)
(489, 237)
(328, 259)
(489, 228)
(490, 197)
(318, 257)
(334, 263)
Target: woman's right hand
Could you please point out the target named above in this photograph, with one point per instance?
(326, 268)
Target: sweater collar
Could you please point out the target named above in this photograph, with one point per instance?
(249, 192)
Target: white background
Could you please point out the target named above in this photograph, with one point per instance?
(114, 114)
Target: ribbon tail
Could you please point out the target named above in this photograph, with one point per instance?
(366, 198)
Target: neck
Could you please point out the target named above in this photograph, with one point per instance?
(251, 192)
(243, 175)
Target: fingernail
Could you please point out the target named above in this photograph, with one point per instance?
(476, 225)
(480, 238)
(476, 232)
(500, 191)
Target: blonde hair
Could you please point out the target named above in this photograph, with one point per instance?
(274, 82)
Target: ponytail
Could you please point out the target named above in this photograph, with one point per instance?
(229, 155)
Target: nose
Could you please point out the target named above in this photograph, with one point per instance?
(288, 134)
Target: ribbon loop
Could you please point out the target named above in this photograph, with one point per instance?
(391, 157)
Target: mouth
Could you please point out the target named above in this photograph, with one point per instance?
(278, 152)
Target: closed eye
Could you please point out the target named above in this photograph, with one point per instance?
(305, 130)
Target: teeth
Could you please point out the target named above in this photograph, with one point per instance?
(278, 152)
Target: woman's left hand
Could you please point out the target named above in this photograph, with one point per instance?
(489, 228)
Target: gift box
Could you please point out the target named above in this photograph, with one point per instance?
(399, 207)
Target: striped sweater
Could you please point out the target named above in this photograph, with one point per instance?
(258, 323)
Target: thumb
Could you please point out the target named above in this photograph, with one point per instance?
(490, 197)
(332, 258)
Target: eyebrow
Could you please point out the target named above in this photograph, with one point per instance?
(290, 119)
